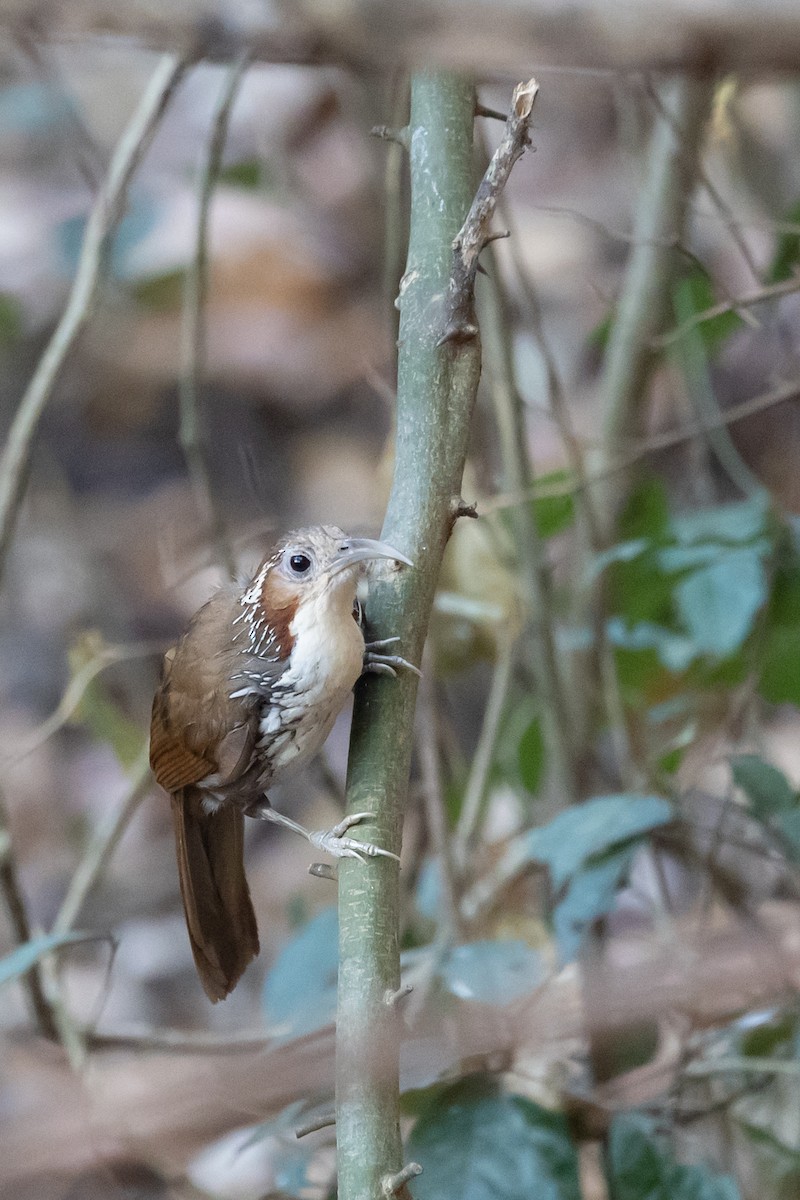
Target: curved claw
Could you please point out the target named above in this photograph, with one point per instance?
(347, 847)
(385, 664)
(334, 842)
(375, 667)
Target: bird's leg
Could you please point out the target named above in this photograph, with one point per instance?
(333, 841)
(378, 663)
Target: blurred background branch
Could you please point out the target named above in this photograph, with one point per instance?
(508, 35)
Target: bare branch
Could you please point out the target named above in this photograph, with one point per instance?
(483, 757)
(781, 394)
(101, 846)
(193, 332)
(102, 220)
(772, 291)
(506, 35)
(21, 929)
(176, 1041)
(106, 657)
(460, 324)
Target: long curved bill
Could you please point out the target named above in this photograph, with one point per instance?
(356, 550)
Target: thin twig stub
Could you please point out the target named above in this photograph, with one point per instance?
(460, 324)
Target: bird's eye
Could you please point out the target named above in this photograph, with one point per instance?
(300, 563)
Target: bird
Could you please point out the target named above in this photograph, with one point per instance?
(248, 693)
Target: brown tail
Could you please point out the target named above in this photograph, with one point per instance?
(216, 899)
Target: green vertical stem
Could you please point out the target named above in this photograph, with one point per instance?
(437, 386)
(659, 227)
(531, 552)
(661, 217)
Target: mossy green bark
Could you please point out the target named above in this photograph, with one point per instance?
(437, 386)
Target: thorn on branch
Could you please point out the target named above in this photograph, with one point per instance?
(460, 508)
(495, 237)
(323, 871)
(458, 331)
(321, 1121)
(392, 1184)
(386, 133)
(493, 114)
(393, 997)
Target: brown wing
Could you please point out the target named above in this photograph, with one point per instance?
(196, 728)
(216, 899)
(175, 765)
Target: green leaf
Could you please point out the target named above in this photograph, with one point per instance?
(244, 174)
(554, 514)
(589, 895)
(779, 678)
(493, 972)
(718, 603)
(639, 672)
(788, 825)
(531, 756)
(161, 293)
(597, 338)
(639, 589)
(694, 294)
(522, 713)
(589, 846)
(20, 961)
(11, 320)
(701, 1183)
(675, 651)
(474, 1144)
(772, 1033)
(621, 552)
(767, 788)
(787, 251)
(637, 1168)
(300, 990)
(647, 512)
(737, 523)
(589, 829)
(674, 559)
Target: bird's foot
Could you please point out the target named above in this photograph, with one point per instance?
(378, 663)
(336, 843)
(333, 841)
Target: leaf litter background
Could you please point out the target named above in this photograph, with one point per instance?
(511, 1087)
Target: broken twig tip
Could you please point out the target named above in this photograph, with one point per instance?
(392, 996)
(391, 1184)
(388, 134)
(523, 100)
